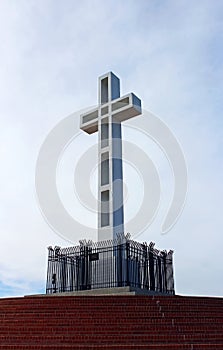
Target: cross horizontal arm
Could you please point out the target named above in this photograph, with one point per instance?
(89, 121)
(126, 107)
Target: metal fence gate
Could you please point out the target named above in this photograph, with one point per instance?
(108, 264)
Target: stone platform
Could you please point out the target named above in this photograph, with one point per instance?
(128, 291)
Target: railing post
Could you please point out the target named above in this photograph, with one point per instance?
(160, 273)
(151, 270)
(49, 284)
(170, 277)
(164, 254)
(82, 267)
(127, 263)
(119, 265)
(144, 268)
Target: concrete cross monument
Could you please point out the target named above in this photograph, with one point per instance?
(112, 110)
(115, 262)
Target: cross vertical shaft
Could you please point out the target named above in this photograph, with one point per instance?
(106, 119)
(110, 211)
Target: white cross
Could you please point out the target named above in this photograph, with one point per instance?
(106, 119)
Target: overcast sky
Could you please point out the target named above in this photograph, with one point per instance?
(170, 54)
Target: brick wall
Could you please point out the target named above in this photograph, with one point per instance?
(111, 322)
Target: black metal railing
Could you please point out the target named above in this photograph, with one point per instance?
(109, 264)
